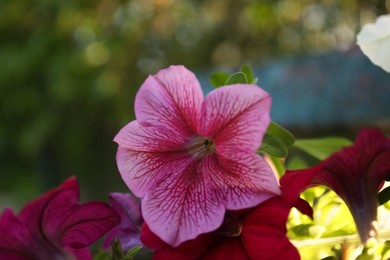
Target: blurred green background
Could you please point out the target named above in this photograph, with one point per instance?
(69, 71)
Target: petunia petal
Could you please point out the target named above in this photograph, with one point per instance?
(294, 182)
(191, 249)
(25, 234)
(31, 214)
(181, 207)
(170, 100)
(74, 225)
(264, 231)
(135, 137)
(243, 181)
(355, 173)
(374, 40)
(88, 223)
(236, 117)
(227, 249)
(15, 241)
(128, 231)
(142, 171)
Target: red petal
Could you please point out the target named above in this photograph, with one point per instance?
(264, 231)
(191, 249)
(293, 183)
(87, 223)
(15, 239)
(355, 173)
(228, 248)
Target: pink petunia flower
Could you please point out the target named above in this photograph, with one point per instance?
(190, 158)
(355, 173)
(257, 233)
(128, 231)
(55, 226)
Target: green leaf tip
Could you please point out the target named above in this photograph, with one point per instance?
(132, 253)
(247, 70)
(281, 133)
(218, 78)
(273, 146)
(237, 78)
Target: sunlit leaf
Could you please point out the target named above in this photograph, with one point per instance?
(273, 146)
(218, 79)
(237, 78)
(321, 148)
(301, 231)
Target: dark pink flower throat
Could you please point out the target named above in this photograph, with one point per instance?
(231, 226)
(201, 147)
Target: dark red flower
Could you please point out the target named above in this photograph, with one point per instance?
(355, 173)
(55, 226)
(257, 233)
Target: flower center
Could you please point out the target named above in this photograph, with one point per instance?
(201, 146)
(209, 145)
(231, 226)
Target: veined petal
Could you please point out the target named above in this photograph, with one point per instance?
(55, 226)
(65, 221)
(32, 212)
(135, 137)
(181, 207)
(236, 117)
(243, 181)
(170, 100)
(142, 171)
(95, 217)
(14, 241)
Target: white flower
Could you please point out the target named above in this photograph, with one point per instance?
(374, 40)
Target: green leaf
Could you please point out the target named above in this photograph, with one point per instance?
(301, 231)
(102, 255)
(273, 146)
(237, 78)
(281, 133)
(132, 252)
(218, 79)
(247, 70)
(384, 196)
(321, 148)
(296, 162)
(116, 250)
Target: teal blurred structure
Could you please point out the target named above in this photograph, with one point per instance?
(69, 71)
